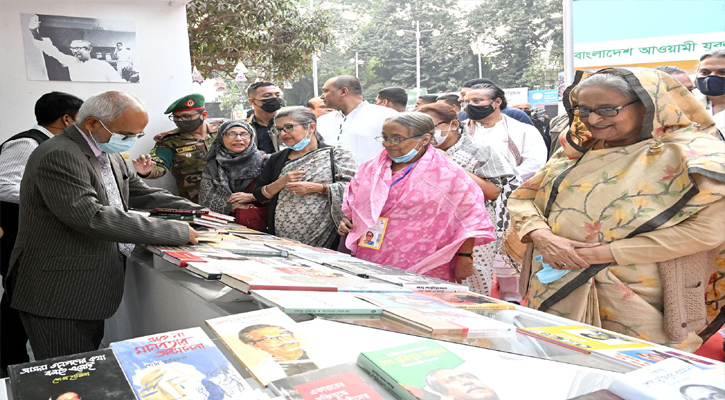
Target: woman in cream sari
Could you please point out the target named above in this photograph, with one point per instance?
(631, 209)
(304, 183)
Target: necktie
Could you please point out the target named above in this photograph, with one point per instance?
(114, 196)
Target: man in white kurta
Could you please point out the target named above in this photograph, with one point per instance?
(355, 123)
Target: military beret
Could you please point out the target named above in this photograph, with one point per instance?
(189, 102)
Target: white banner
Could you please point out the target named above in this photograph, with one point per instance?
(647, 50)
(517, 95)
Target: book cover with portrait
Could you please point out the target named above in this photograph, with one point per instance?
(178, 365)
(92, 375)
(269, 344)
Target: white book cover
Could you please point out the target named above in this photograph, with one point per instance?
(293, 302)
(671, 379)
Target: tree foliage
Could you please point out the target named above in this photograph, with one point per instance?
(523, 44)
(275, 39)
(523, 40)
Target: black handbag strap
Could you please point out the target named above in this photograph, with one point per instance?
(571, 286)
(332, 163)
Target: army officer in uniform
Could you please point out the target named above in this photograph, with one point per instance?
(181, 150)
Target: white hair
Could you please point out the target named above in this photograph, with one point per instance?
(107, 106)
(608, 81)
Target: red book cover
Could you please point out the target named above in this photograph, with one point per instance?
(343, 386)
(180, 258)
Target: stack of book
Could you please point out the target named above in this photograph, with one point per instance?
(208, 219)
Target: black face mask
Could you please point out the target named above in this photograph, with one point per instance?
(189, 126)
(528, 112)
(711, 85)
(477, 113)
(272, 104)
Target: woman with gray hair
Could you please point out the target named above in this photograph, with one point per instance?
(425, 213)
(303, 184)
(232, 165)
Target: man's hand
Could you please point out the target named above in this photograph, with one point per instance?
(144, 165)
(193, 236)
(345, 226)
(463, 268)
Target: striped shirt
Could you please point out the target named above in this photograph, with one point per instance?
(13, 158)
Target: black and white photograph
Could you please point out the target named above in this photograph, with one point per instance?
(63, 48)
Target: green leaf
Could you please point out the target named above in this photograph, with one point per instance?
(615, 205)
(659, 200)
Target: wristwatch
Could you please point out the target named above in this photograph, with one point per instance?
(465, 255)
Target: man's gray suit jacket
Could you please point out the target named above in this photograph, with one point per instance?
(66, 263)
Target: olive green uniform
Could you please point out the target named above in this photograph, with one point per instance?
(183, 155)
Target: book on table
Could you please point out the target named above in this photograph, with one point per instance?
(401, 300)
(269, 344)
(161, 211)
(178, 365)
(340, 382)
(250, 275)
(583, 338)
(182, 258)
(644, 357)
(293, 302)
(429, 369)
(449, 322)
(248, 248)
(469, 301)
(394, 275)
(92, 375)
(671, 379)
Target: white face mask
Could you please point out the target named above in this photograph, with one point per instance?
(439, 138)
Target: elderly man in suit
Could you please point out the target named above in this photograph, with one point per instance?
(67, 268)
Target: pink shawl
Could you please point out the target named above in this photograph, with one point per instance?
(431, 212)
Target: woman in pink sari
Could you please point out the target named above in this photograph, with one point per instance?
(425, 213)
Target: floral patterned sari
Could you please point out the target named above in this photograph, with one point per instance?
(676, 170)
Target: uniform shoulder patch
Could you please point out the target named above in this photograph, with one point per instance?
(166, 135)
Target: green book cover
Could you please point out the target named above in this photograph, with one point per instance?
(403, 369)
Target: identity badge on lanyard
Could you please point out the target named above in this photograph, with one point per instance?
(373, 237)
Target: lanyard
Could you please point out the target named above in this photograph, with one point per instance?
(407, 171)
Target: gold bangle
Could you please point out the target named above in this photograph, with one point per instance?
(265, 193)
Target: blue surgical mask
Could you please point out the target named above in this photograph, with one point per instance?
(302, 143)
(404, 159)
(548, 274)
(117, 144)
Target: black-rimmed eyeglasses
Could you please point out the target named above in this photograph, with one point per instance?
(582, 112)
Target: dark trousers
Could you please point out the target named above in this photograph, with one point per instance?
(56, 337)
(13, 339)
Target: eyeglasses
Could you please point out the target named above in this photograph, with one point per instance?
(394, 141)
(602, 112)
(78, 48)
(283, 338)
(187, 117)
(234, 135)
(475, 102)
(286, 128)
(123, 137)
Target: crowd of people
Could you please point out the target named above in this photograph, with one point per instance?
(612, 213)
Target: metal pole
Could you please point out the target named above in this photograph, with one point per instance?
(480, 69)
(357, 73)
(314, 64)
(417, 57)
(568, 42)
